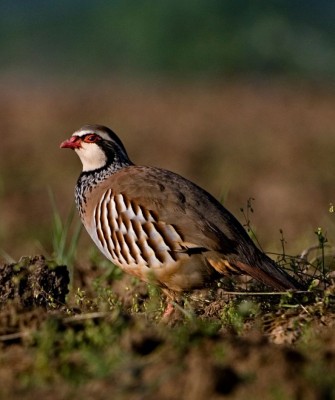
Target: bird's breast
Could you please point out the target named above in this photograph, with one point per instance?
(130, 235)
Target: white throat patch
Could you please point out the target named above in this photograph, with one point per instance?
(91, 156)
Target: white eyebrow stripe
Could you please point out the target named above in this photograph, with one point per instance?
(83, 132)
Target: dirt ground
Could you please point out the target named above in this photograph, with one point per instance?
(99, 343)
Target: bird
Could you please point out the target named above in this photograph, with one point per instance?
(159, 226)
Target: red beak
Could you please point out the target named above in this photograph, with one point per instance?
(72, 143)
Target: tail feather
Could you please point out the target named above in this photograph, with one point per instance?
(268, 272)
(258, 265)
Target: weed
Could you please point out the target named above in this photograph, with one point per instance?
(154, 305)
(235, 313)
(64, 239)
(247, 217)
(322, 240)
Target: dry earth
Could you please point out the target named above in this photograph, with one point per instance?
(101, 343)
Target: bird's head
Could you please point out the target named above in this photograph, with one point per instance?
(97, 147)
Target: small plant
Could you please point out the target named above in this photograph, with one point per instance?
(234, 314)
(246, 214)
(155, 303)
(283, 244)
(319, 267)
(65, 236)
(322, 240)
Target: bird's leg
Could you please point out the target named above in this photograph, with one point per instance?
(172, 298)
(169, 310)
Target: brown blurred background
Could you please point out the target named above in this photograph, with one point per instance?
(253, 122)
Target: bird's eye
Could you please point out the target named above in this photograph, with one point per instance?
(91, 138)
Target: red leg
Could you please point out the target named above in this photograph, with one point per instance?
(169, 310)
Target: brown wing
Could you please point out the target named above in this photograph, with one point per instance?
(197, 216)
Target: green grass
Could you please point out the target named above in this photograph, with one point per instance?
(65, 236)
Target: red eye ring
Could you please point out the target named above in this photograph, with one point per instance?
(91, 138)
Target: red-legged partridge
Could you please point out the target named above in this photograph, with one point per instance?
(159, 226)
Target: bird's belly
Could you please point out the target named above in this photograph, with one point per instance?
(179, 273)
(185, 274)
